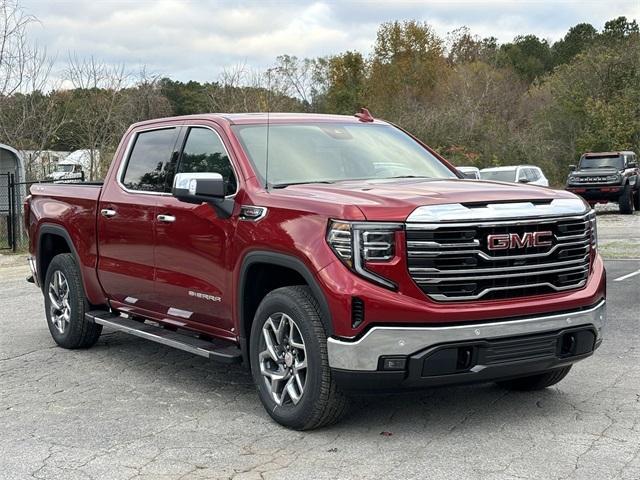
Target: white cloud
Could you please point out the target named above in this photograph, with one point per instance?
(196, 39)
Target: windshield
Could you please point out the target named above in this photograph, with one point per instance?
(64, 168)
(331, 152)
(499, 175)
(602, 162)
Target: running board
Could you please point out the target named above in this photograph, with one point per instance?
(217, 350)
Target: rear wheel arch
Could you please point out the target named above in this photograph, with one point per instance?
(53, 240)
(262, 272)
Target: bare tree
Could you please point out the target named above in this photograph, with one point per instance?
(240, 89)
(28, 114)
(297, 78)
(99, 102)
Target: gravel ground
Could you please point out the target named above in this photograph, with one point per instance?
(619, 235)
(132, 409)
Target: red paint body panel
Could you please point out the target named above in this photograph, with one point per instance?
(73, 207)
(187, 273)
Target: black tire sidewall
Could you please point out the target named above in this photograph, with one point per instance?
(67, 265)
(293, 416)
(626, 201)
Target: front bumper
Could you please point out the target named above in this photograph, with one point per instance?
(496, 350)
(598, 193)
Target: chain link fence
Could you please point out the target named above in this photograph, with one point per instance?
(13, 234)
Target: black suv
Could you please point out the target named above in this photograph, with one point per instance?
(607, 177)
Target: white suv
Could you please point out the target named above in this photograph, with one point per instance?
(517, 174)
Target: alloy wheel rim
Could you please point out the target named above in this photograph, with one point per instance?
(283, 359)
(59, 307)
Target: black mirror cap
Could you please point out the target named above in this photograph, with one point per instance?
(523, 180)
(633, 164)
(572, 168)
(198, 187)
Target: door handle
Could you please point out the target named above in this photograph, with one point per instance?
(105, 212)
(166, 218)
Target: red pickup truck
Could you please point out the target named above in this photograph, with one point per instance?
(329, 254)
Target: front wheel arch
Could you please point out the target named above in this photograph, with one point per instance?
(300, 275)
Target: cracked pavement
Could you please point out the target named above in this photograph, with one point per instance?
(131, 409)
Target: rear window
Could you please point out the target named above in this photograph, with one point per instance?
(605, 161)
(151, 151)
(499, 175)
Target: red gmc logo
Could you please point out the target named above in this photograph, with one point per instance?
(507, 241)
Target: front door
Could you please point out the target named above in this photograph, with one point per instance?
(193, 274)
(126, 220)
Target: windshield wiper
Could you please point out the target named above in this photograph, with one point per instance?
(285, 185)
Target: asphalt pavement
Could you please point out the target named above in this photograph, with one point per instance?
(131, 409)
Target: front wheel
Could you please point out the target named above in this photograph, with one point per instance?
(636, 202)
(289, 362)
(65, 305)
(536, 382)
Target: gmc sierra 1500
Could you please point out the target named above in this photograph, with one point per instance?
(326, 253)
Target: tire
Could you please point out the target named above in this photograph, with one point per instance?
(626, 200)
(636, 200)
(536, 382)
(290, 317)
(65, 305)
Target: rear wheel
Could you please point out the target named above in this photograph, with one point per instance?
(536, 382)
(66, 304)
(626, 200)
(289, 362)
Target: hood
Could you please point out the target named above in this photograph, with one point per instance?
(394, 199)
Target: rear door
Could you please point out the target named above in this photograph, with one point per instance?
(193, 271)
(126, 219)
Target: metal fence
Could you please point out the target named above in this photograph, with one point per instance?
(13, 235)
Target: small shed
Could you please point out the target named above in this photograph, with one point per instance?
(11, 162)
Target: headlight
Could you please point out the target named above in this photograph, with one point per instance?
(594, 230)
(612, 178)
(356, 243)
(573, 179)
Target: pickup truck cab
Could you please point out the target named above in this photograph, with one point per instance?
(328, 254)
(607, 177)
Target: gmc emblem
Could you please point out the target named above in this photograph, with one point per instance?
(507, 241)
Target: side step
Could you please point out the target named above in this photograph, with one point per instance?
(217, 350)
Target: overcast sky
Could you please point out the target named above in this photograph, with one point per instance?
(196, 39)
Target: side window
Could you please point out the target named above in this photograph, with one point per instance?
(533, 175)
(204, 152)
(522, 174)
(145, 167)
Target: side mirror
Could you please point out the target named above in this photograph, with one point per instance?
(633, 164)
(523, 180)
(572, 168)
(203, 188)
(198, 187)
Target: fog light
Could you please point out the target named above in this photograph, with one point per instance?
(394, 363)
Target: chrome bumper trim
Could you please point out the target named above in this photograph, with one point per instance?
(363, 354)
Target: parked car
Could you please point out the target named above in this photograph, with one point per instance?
(470, 172)
(607, 177)
(516, 174)
(315, 264)
(73, 167)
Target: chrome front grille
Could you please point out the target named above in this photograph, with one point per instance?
(452, 261)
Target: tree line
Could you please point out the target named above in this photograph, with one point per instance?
(474, 100)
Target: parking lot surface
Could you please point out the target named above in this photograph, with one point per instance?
(132, 409)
